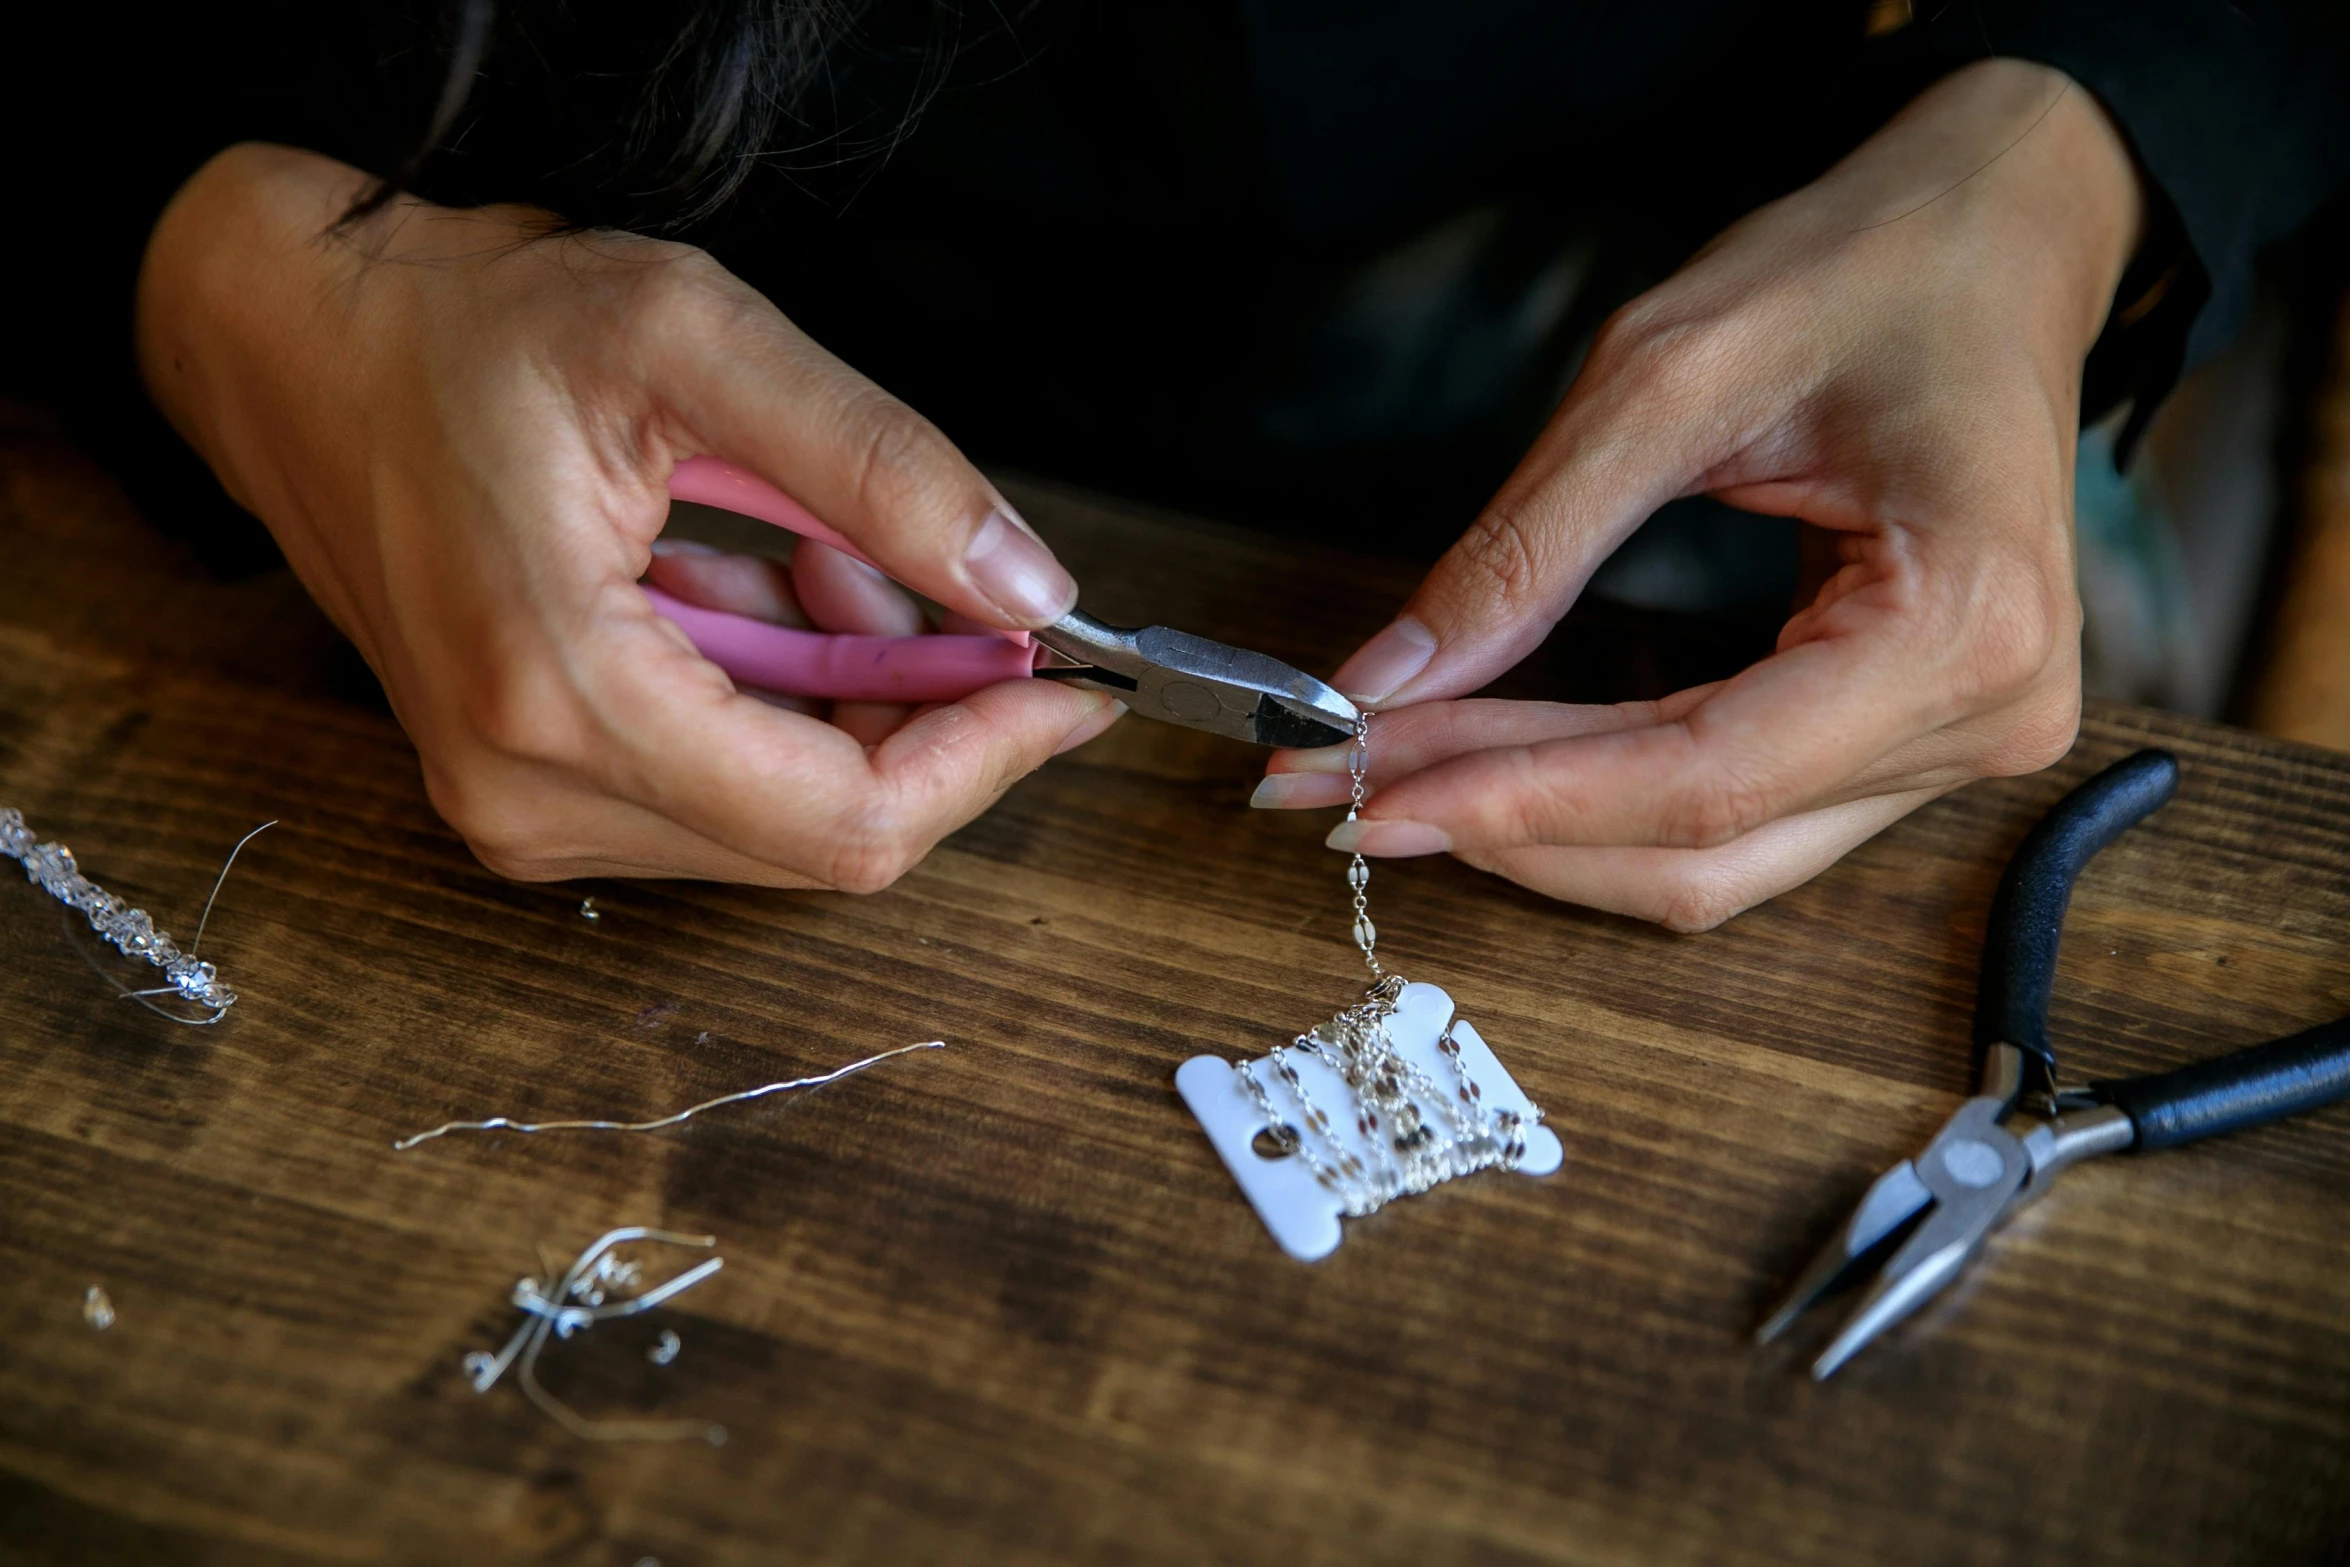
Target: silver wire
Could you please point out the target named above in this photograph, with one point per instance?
(218, 881)
(499, 1123)
(202, 920)
(548, 1311)
(130, 931)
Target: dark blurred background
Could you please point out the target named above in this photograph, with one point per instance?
(1320, 269)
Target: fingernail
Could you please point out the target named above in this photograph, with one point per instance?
(1390, 840)
(1322, 759)
(682, 547)
(1301, 791)
(1090, 728)
(1012, 567)
(1382, 665)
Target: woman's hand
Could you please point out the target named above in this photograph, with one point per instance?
(460, 428)
(1892, 355)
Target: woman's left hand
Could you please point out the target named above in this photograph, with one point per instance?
(1892, 355)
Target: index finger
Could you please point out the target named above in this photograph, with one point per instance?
(753, 389)
(1805, 728)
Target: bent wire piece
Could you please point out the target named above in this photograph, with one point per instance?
(499, 1123)
(580, 1299)
(202, 921)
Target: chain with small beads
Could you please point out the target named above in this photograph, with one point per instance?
(1416, 1133)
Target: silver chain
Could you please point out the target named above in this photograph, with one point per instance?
(1358, 874)
(1409, 1154)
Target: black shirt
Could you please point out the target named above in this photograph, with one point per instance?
(1267, 257)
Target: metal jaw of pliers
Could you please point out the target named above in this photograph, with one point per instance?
(1182, 679)
(1992, 1158)
(1983, 1165)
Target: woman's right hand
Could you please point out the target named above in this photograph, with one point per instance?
(460, 427)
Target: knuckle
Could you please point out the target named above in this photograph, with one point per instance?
(2025, 625)
(514, 712)
(1722, 805)
(869, 852)
(1643, 349)
(2042, 737)
(677, 287)
(500, 831)
(517, 866)
(1535, 807)
(1700, 900)
(895, 454)
(1499, 550)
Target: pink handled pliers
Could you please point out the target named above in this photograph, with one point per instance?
(1162, 674)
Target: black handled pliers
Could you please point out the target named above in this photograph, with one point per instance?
(1991, 1158)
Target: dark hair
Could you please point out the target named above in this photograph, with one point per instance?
(653, 115)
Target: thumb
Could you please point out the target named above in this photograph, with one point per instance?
(764, 395)
(1618, 448)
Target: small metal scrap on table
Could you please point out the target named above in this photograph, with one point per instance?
(592, 1290)
(1995, 1156)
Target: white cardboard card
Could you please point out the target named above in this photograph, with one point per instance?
(1302, 1213)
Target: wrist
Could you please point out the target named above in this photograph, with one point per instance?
(2083, 194)
(2029, 159)
(236, 308)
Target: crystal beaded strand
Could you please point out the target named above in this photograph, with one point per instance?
(131, 931)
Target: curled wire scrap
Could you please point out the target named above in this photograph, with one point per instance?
(499, 1123)
(593, 1290)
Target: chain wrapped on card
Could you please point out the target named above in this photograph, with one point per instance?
(1390, 1097)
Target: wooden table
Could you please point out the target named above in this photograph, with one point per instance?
(999, 1302)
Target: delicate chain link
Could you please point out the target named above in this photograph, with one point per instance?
(1345, 1177)
(1394, 1099)
(130, 930)
(1358, 874)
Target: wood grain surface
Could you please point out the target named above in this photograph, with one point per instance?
(999, 1303)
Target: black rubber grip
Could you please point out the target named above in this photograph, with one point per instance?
(2264, 1083)
(2027, 918)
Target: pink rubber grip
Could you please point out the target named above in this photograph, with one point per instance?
(706, 481)
(821, 663)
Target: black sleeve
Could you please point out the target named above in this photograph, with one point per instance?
(2238, 112)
